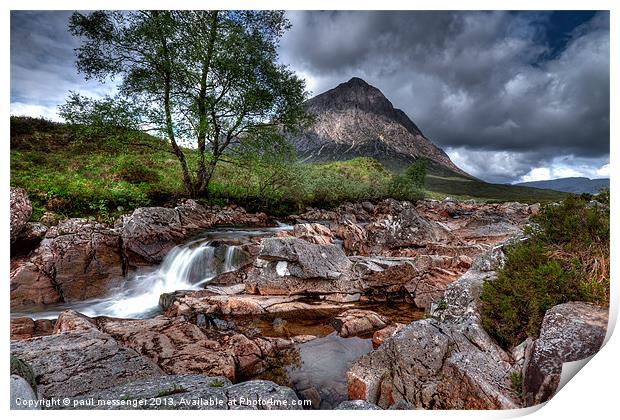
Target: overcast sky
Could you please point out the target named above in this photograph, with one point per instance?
(510, 97)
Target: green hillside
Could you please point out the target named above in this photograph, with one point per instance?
(106, 174)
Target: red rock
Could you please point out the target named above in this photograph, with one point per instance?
(358, 322)
(383, 334)
(23, 328)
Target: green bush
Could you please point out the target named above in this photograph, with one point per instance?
(566, 258)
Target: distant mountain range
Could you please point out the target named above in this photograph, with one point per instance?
(355, 119)
(576, 185)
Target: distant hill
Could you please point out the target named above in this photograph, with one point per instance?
(355, 119)
(576, 185)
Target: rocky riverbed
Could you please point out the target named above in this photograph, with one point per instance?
(363, 306)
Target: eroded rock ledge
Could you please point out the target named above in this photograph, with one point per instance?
(448, 361)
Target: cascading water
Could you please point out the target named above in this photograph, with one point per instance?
(186, 267)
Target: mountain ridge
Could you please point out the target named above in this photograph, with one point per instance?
(576, 185)
(355, 119)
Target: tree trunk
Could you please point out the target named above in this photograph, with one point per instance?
(202, 175)
(167, 73)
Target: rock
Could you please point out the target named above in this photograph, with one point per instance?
(570, 332)
(358, 322)
(149, 233)
(176, 346)
(315, 233)
(354, 237)
(383, 334)
(21, 210)
(72, 321)
(181, 392)
(357, 405)
(23, 328)
(30, 236)
(422, 278)
(75, 363)
(31, 286)
(298, 258)
(192, 303)
(312, 395)
(534, 209)
(49, 219)
(447, 361)
(190, 392)
(78, 259)
(22, 394)
(404, 228)
(263, 395)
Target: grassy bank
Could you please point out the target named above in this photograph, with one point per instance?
(105, 174)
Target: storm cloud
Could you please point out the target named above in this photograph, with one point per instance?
(499, 92)
(509, 96)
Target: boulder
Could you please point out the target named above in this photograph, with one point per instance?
(446, 361)
(22, 394)
(49, 219)
(354, 237)
(358, 322)
(31, 286)
(298, 258)
(149, 233)
(76, 363)
(176, 346)
(21, 210)
(30, 236)
(570, 332)
(193, 303)
(402, 229)
(78, 259)
(315, 233)
(383, 334)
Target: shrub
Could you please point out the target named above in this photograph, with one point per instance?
(23, 369)
(566, 258)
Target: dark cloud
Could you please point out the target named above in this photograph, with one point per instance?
(508, 95)
(486, 86)
(43, 63)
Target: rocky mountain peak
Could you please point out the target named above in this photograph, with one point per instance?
(356, 119)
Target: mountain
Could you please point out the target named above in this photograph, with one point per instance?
(355, 119)
(576, 185)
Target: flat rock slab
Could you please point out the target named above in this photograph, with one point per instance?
(190, 392)
(75, 363)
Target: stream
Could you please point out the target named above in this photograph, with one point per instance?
(315, 369)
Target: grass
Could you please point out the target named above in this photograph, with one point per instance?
(104, 175)
(463, 188)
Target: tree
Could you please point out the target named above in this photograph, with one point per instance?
(416, 173)
(409, 184)
(208, 76)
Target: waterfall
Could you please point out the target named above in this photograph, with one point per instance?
(186, 267)
(232, 258)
